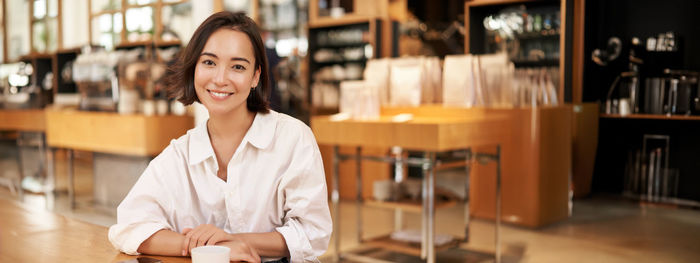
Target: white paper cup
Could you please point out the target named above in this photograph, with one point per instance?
(211, 254)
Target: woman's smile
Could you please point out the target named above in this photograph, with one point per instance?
(219, 95)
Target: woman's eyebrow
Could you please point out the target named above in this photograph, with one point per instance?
(240, 59)
(232, 59)
(208, 54)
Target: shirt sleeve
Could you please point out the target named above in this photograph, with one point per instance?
(307, 221)
(142, 213)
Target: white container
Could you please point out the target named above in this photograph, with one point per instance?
(359, 100)
(211, 254)
(385, 190)
(148, 107)
(162, 107)
(129, 102)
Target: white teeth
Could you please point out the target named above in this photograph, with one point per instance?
(219, 94)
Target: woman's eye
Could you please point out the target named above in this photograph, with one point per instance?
(238, 67)
(208, 62)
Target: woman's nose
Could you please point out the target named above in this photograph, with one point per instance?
(220, 76)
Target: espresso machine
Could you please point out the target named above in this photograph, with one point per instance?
(96, 79)
(629, 94)
(674, 93)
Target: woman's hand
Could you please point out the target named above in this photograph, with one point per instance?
(241, 251)
(202, 235)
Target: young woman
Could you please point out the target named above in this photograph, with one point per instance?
(248, 178)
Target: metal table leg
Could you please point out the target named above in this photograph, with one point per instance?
(47, 169)
(335, 198)
(431, 206)
(424, 214)
(483, 159)
(467, 215)
(50, 177)
(398, 178)
(71, 185)
(498, 204)
(20, 168)
(358, 204)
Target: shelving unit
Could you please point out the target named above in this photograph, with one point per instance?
(476, 43)
(42, 64)
(651, 117)
(60, 61)
(386, 242)
(413, 206)
(621, 154)
(366, 32)
(543, 132)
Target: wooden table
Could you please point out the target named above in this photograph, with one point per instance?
(23, 120)
(33, 235)
(110, 132)
(431, 129)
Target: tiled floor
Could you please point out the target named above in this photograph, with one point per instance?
(600, 230)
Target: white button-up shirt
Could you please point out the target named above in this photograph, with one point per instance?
(275, 182)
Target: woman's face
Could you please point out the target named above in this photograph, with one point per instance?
(225, 72)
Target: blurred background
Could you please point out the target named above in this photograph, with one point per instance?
(597, 105)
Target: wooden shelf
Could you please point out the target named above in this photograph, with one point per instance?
(31, 56)
(497, 2)
(548, 62)
(451, 165)
(409, 248)
(340, 21)
(651, 117)
(342, 45)
(333, 62)
(134, 44)
(68, 50)
(23, 120)
(414, 206)
(109, 132)
(161, 43)
(537, 35)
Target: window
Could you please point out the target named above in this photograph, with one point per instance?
(140, 22)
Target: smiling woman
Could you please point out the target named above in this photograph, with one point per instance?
(211, 37)
(249, 178)
(226, 74)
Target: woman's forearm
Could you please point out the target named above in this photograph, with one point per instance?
(164, 243)
(271, 244)
(169, 243)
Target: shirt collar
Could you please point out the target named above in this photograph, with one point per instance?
(259, 135)
(262, 131)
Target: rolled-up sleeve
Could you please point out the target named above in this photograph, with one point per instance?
(141, 214)
(307, 221)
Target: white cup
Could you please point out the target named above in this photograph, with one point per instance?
(148, 107)
(624, 107)
(211, 254)
(162, 107)
(384, 190)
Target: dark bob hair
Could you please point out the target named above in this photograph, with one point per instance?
(179, 81)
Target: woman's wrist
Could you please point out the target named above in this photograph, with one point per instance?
(235, 237)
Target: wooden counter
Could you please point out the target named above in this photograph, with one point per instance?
(439, 128)
(535, 169)
(536, 148)
(32, 120)
(435, 132)
(29, 235)
(109, 132)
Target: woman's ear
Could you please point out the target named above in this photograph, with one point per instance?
(256, 77)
